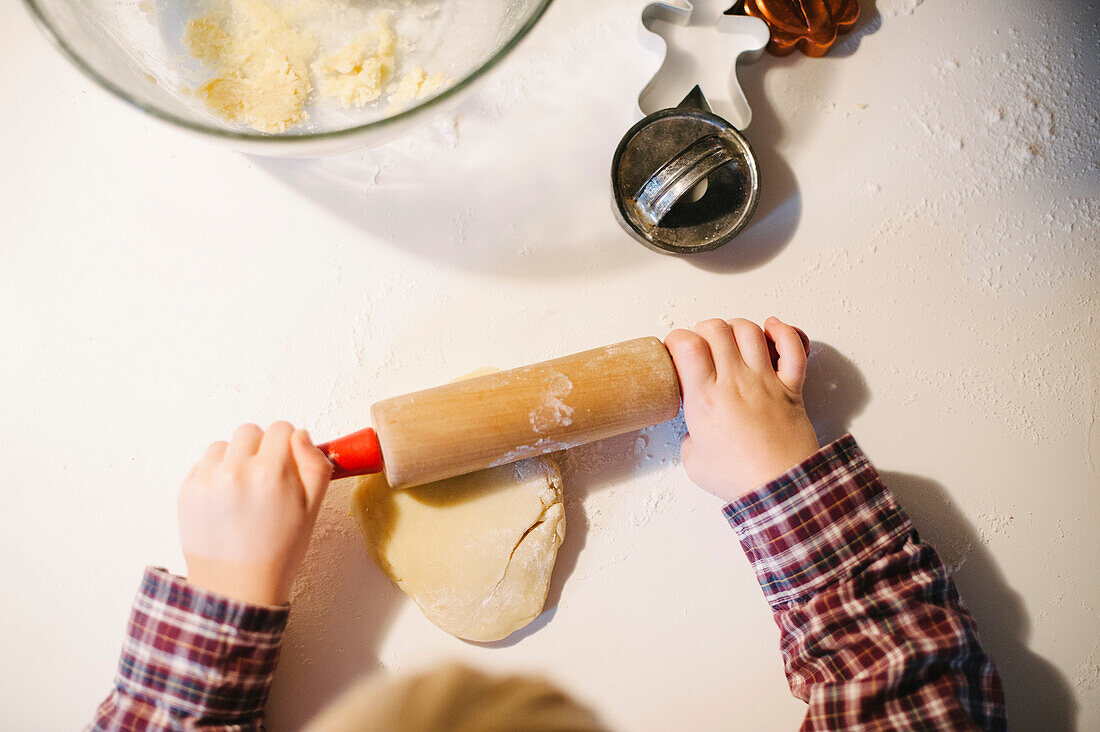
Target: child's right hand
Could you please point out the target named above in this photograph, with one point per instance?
(742, 390)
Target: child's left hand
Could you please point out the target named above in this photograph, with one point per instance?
(247, 510)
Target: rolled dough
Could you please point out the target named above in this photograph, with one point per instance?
(475, 552)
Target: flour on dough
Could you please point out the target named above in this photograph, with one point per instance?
(474, 552)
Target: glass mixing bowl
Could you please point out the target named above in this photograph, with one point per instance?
(135, 49)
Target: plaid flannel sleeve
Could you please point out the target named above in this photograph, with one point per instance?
(192, 659)
(873, 633)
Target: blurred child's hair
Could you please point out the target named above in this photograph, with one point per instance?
(455, 698)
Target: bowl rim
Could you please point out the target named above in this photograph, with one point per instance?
(256, 136)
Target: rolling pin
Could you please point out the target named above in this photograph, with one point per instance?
(506, 416)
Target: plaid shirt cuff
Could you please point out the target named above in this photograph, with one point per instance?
(822, 520)
(198, 654)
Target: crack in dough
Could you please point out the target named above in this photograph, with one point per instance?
(527, 564)
(475, 552)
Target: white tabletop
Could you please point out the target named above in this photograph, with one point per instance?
(929, 217)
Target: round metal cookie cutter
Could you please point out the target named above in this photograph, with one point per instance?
(669, 154)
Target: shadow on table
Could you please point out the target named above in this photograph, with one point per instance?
(342, 607)
(485, 212)
(870, 21)
(1038, 696)
(835, 392)
(780, 207)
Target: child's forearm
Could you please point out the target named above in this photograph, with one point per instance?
(872, 627)
(192, 658)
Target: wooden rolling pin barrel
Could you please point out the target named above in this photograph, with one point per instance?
(506, 416)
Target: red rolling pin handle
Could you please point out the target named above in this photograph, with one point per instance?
(356, 454)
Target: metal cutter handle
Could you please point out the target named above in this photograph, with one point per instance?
(678, 176)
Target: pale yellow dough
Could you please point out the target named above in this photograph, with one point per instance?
(358, 72)
(475, 552)
(417, 84)
(261, 64)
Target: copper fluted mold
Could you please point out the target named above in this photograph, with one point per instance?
(809, 25)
